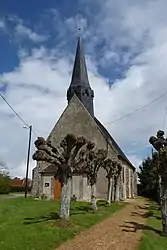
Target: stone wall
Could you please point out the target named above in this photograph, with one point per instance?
(102, 184)
(35, 182)
(81, 188)
(86, 189)
(47, 183)
(127, 181)
(77, 186)
(134, 184)
(124, 181)
(130, 183)
(129, 186)
(36, 179)
(121, 187)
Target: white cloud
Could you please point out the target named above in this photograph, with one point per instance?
(25, 32)
(37, 91)
(135, 31)
(2, 24)
(132, 33)
(16, 29)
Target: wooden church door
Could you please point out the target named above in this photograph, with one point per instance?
(57, 189)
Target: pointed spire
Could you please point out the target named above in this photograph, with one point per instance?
(80, 75)
(79, 82)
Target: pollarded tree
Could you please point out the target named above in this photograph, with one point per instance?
(114, 169)
(93, 161)
(160, 144)
(110, 167)
(65, 162)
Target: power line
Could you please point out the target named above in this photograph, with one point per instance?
(139, 109)
(14, 110)
(25, 123)
(116, 120)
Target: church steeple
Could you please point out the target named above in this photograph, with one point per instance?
(80, 82)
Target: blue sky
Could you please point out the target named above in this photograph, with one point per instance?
(31, 12)
(125, 48)
(39, 15)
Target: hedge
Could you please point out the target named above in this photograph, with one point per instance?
(15, 189)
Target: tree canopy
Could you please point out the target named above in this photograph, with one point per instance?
(148, 177)
(4, 183)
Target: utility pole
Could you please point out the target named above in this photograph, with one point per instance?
(28, 159)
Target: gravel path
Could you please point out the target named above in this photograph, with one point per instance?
(121, 231)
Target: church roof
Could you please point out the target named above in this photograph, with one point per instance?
(51, 169)
(79, 75)
(113, 142)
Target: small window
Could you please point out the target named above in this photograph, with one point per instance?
(46, 184)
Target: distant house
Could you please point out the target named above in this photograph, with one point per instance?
(17, 182)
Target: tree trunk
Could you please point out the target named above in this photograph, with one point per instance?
(65, 200)
(93, 204)
(109, 191)
(159, 190)
(117, 191)
(163, 198)
(113, 189)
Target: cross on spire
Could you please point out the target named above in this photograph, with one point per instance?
(79, 29)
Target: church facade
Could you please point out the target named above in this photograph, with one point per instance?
(78, 118)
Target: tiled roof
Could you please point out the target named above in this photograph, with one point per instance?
(113, 143)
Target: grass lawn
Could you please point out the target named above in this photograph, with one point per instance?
(32, 224)
(11, 194)
(3, 195)
(152, 239)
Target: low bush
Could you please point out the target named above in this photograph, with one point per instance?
(4, 183)
(16, 189)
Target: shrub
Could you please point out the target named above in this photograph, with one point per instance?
(16, 189)
(4, 183)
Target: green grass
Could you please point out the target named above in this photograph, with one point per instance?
(3, 194)
(12, 194)
(32, 224)
(152, 239)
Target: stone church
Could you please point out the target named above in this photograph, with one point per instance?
(79, 118)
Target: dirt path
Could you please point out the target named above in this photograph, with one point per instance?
(121, 231)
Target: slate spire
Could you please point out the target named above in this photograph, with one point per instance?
(79, 82)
